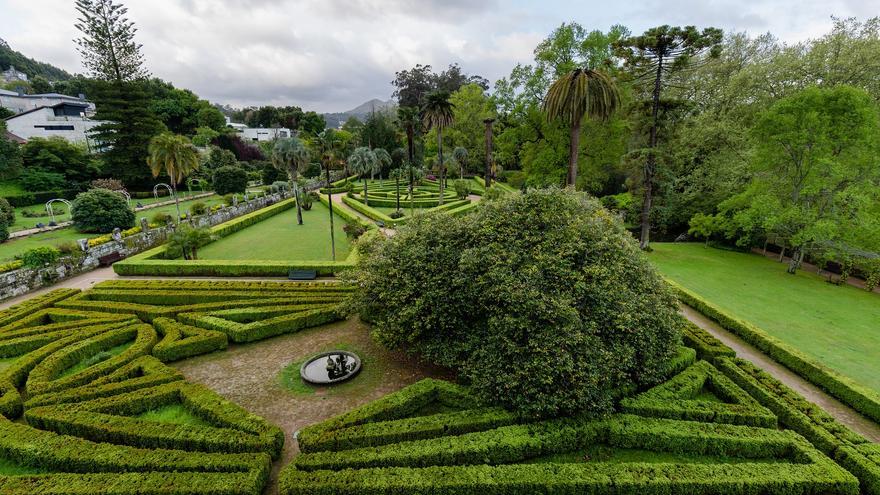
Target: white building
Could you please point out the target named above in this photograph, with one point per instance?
(13, 75)
(258, 133)
(68, 120)
(20, 102)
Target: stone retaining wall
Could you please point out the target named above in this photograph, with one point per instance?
(23, 280)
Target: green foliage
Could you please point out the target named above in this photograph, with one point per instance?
(7, 212)
(39, 257)
(462, 188)
(204, 136)
(10, 154)
(185, 242)
(36, 179)
(230, 180)
(50, 163)
(4, 229)
(101, 211)
(545, 319)
(198, 208)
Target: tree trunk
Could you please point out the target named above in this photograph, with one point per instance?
(397, 184)
(442, 167)
(295, 187)
(366, 200)
(574, 143)
(487, 177)
(782, 254)
(195, 253)
(795, 262)
(651, 165)
(330, 203)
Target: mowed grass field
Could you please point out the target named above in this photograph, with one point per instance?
(837, 325)
(280, 238)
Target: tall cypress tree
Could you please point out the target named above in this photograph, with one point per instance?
(112, 56)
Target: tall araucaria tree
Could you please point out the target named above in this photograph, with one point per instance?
(652, 58)
(176, 157)
(578, 94)
(291, 156)
(114, 59)
(438, 114)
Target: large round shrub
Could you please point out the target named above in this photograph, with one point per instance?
(229, 180)
(542, 301)
(101, 210)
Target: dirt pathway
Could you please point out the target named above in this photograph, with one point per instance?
(812, 393)
(251, 376)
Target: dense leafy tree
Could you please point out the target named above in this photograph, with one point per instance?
(55, 155)
(413, 86)
(312, 123)
(378, 131)
(652, 57)
(242, 150)
(101, 210)
(230, 180)
(176, 157)
(39, 85)
(565, 316)
(204, 136)
(471, 108)
(10, 155)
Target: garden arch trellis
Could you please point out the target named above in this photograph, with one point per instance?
(166, 186)
(51, 212)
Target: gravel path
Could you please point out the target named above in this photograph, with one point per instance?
(812, 393)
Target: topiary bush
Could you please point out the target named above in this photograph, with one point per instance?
(4, 229)
(462, 188)
(7, 211)
(198, 208)
(542, 300)
(230, 180)
(101, 210)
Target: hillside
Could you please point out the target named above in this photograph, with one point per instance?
(29, 66)
(361, 111)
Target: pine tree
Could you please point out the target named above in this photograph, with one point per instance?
(113, 57)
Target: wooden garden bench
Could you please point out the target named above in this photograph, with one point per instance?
(109, 259)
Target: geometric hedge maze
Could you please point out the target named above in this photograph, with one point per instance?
(82, 376)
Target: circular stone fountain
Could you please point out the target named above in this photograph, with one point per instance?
(331, 367)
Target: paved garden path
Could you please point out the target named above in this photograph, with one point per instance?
(812, 393)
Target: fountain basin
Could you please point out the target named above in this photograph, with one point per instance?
(316, 369)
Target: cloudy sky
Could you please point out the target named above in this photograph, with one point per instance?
(331, 55)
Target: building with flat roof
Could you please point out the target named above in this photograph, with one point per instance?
(20, 102)
(69, 120)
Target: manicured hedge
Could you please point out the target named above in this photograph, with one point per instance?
(860, 398)
(707, 346)
(675, 399)
(185, 483)
(181, 341)
(226, 285)
(39, 197)
(259, 330)
(109, 419)
(15, 312)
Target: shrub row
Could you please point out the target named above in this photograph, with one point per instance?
(37, 303)
(166, 297)
(143, 372)
(39, 197)
(707, 346)
(225, 285)
(675, 399)
(860, 398)
(347, 215)
(227, 268)
(400, 404)
(821, 476)
(270, 327)
(186, 483)
(808, 419)
(109, 419)
(44, 377)
(517, 443)
(181, 341)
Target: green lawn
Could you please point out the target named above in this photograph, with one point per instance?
(174, 414)
(95, 359)
(280, 238)
(837, 325)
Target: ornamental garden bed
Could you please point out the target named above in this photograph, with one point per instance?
(267, 242)
(381, 200)
(88, 405)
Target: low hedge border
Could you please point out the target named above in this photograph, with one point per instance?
(13, 313)
(143, 372)
(396, 405)
(674, 399)
(161, 483)
(517, 443)
(259, 330)
(181, 341)
(108, 419)
(820, 475)
(225, 285)
(860, 398)
(808, 419)
(707, 346)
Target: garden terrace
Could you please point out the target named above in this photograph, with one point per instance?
(267, 242)
(381, 200)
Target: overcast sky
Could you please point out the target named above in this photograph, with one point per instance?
(331, 55)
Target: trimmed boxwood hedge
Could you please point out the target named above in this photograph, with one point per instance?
(860, 398)
(182, 341)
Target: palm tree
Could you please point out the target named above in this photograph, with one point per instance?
(363, 161)
(291, 156)
(437, 114)
(460, 153)
(580, 93)
(408, 117)
(185, 241)
(383, 159)
(328, 144)
(176, 156)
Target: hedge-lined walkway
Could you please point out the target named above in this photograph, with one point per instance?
(812, 393)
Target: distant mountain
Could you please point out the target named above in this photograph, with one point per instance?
(31, 67)
(361, 111)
